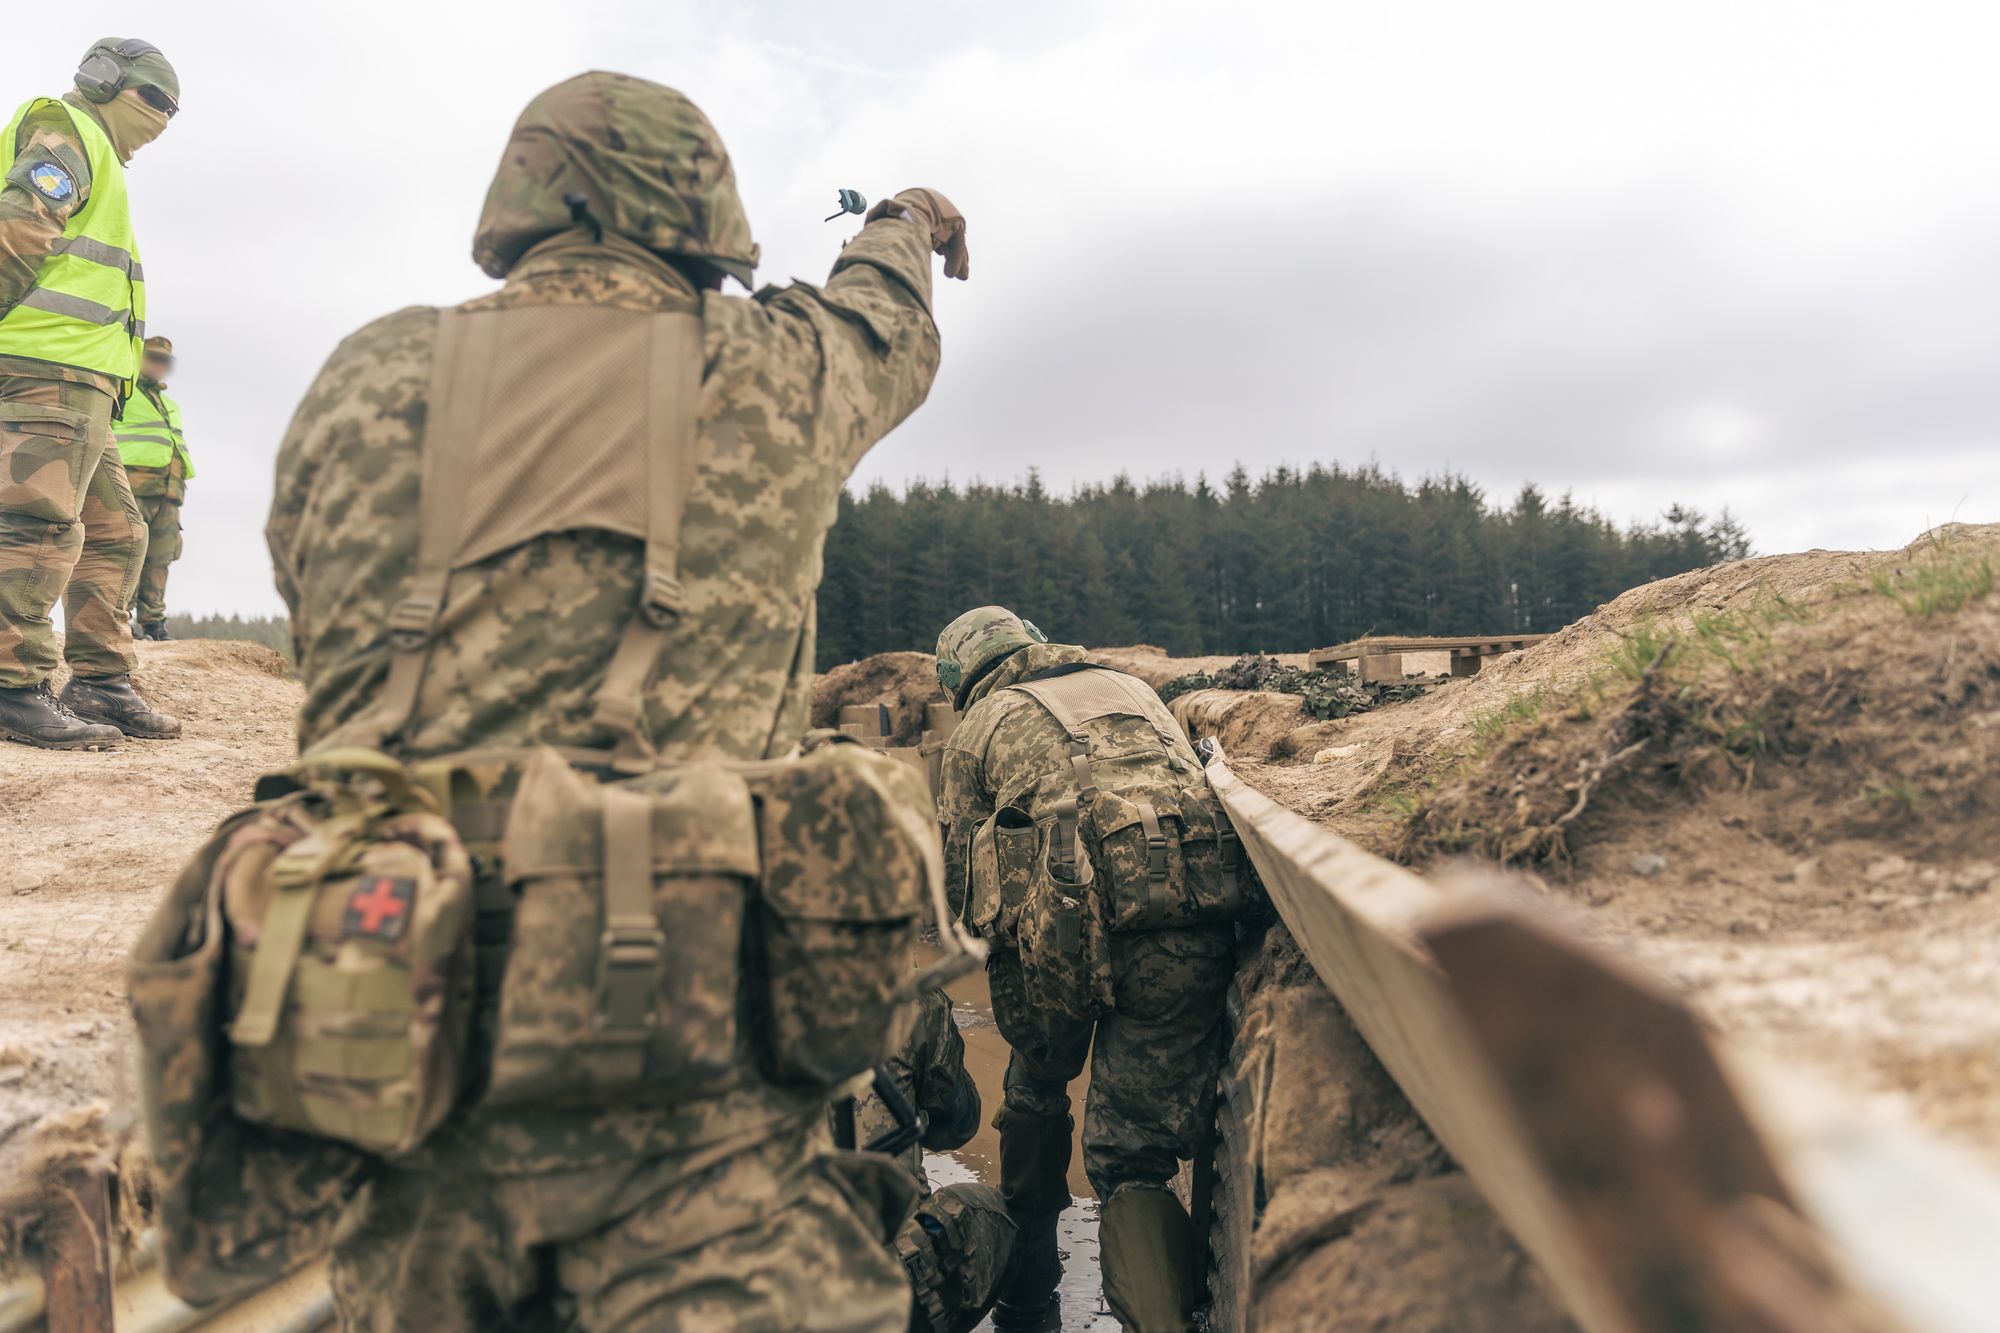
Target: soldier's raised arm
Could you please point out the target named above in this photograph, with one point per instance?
(868, 333)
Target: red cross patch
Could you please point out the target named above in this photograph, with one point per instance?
(379, 908)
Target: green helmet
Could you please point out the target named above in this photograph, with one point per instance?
(646, 162)
(976, 642)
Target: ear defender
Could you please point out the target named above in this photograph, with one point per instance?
(104, 69)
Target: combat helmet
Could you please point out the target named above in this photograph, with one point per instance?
(639, 159)
(975, 643)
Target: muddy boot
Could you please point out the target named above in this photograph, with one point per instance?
(30, 714)
(112, 700)
(157, 631)
(1148, 1249)
(1034, 1180)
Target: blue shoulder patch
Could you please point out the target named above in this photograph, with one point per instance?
(51, 181)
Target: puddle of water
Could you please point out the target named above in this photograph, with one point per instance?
(1082, 1290)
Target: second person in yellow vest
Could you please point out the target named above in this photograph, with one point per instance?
(72, 318)
(153, 447)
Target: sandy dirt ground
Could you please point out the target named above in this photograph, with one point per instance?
(90, 842)
(1804, 921)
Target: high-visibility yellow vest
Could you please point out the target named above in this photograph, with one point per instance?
(149, 433)
(88, 305)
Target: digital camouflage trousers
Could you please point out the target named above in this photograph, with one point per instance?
(70, 531)
(781, 1235)
(1153, 1058)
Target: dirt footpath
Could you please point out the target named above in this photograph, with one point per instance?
(90, 841)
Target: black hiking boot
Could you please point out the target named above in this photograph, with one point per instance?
(112, 700)
(32, 715)
(156, 631)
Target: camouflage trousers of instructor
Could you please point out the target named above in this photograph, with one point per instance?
(70, 531)
(162, 518)
(776, 1235)
(1154, 1059)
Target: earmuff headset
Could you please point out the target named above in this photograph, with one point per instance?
(104, 71)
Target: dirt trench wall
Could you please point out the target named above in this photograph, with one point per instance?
(1334, 1207)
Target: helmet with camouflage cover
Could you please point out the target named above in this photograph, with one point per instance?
(646, 161)
(976, 642)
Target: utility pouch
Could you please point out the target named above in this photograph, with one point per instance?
(1005, 850)
(850, 858)
(1162, 852)
(348, 904)
(238, 1205)
(624, 979)
(1065, 950)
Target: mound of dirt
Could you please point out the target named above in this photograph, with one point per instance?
(1773, 781)
(905, 682)
(91, 840)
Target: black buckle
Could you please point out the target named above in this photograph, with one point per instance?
(664, 601)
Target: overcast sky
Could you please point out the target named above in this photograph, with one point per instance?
(1719, 251)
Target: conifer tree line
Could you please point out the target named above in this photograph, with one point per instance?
(1297, 559)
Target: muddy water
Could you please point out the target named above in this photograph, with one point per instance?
(1083, 1308)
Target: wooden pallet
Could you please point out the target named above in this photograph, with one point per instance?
(1381, 659)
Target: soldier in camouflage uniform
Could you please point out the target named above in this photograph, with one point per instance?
(956, 1247)
(1155, 1040)
(72, 310)
(153, 447)
(721, 1212)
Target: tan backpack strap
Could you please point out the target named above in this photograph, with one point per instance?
(630, 950)
(674, 399)
(451, 434)
(1156, 865)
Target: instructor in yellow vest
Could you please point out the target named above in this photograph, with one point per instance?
(154, 449)
(72, 318)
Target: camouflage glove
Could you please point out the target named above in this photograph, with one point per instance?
(931, 210)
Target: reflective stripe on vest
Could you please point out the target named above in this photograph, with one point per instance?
(149, 436)
(88, 306)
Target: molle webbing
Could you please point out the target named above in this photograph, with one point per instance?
(547, 419)
(1074, 695)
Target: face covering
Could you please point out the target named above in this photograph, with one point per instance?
(130, 123)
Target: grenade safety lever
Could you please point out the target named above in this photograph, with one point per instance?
(851, 201)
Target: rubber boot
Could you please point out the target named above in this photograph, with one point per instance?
(1034, 1180)
(32, 715)
(1148, 1250)
(112, 700)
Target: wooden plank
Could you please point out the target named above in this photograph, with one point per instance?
(76, 1252)
(1368, 927)
(1362, 649)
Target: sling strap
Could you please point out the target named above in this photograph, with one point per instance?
(511, 452)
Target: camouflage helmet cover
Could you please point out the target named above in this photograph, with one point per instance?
(645, 158)
(976, 641)
(145, 69)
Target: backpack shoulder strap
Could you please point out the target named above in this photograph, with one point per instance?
(673, 399)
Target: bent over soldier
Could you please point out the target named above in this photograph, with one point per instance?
(1081, 834)
(72, 317)
(585, 512)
